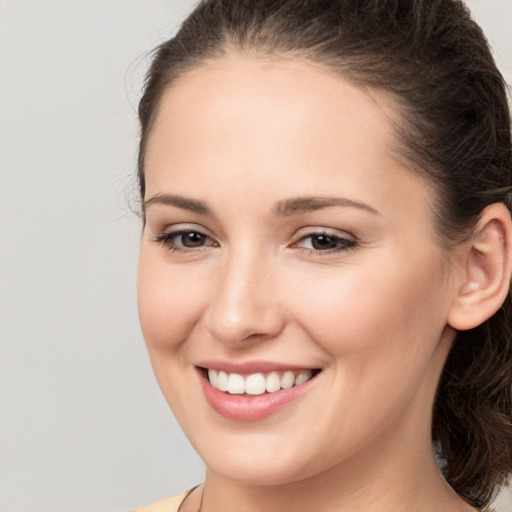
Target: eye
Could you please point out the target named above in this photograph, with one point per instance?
(325, 242)
(190, 239)
(184, 240)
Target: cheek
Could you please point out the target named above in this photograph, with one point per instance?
(381, 330)
(368, 316)
(169, 302)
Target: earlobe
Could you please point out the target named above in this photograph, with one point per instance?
(485, 271)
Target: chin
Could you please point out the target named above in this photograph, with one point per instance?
(262, 466)
(258, 474)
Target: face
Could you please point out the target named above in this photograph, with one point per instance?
(285, 245)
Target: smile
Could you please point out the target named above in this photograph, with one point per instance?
(257, 383)
(249, 395)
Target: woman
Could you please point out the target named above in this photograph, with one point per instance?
(326, 255)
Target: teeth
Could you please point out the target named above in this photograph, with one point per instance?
(222, 381)
(236, 384)
(302, 377)
(256, 383)
(288, 380)
(213, 376)
(273, 382)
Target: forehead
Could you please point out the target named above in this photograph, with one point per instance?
(251, 121)
(268, 91)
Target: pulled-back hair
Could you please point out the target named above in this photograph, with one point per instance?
(455, 130)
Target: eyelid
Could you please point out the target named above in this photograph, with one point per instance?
(317, 230)
(348, 241)
(165, 236)
(181, 227)
(343, 240)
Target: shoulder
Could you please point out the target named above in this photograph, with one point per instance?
(166, 505)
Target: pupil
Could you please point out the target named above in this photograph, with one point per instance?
(323, 242)
(193, 239)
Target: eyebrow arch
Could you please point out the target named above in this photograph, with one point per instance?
(180, 202)
(306, 204)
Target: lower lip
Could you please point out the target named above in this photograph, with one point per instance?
(250, 408)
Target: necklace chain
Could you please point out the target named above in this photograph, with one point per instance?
(201, 502)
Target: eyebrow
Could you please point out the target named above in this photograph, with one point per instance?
(185, 203)
(284, 208)
(306, 204)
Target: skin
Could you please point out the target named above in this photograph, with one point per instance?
(242, 134)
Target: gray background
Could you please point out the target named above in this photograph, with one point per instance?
(82, 425)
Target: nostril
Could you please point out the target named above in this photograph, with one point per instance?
(243, 308)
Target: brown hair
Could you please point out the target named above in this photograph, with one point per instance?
(455, 129)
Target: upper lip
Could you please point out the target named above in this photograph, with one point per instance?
(247, 367)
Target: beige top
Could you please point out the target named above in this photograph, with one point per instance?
(173, 504)
(166, 505)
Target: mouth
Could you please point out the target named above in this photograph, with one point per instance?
(259, 383)
(250, 395)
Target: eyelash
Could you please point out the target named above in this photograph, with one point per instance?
(168, 241)
(342, 244)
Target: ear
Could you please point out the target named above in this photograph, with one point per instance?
(486, 266)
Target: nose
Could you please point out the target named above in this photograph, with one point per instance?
(245, 306)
